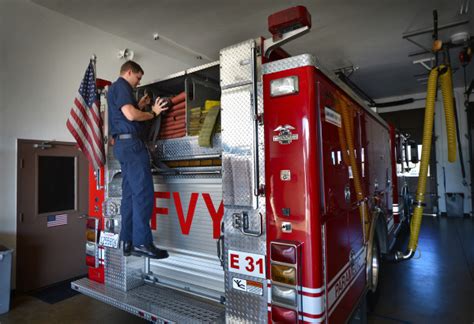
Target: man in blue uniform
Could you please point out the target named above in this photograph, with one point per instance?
(126, 123)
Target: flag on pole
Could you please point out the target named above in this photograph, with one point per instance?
(85, 121)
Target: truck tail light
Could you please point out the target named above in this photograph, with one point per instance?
(90, 261)
(284, 295)
(284, 264)
(91, 223)
(284, 315)
(284, 274)
(283, 253)
(91, 235)
(284, 86)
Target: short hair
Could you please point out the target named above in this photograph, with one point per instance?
(131, 65)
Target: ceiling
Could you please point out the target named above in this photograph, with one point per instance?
(366, 34)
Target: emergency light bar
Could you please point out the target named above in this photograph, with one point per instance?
(285, 26)
(288, 20)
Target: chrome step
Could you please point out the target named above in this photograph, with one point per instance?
(154, 303)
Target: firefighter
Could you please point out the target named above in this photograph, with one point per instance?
(126, 123)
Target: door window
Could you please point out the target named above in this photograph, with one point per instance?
(56, 184)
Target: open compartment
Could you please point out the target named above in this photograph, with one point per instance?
(188, 134)
(193, 93)
(188, 184)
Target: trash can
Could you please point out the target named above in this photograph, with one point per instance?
(455, 204)
(5, 278)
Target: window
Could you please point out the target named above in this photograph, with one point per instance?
(56, 184)
(413, 169)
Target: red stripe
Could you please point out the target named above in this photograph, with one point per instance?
(79, 141)
(304, 293)
(76, 115)
(91, 135)
(87, 137)
(306, 314)
(94, 127)
(312, 315)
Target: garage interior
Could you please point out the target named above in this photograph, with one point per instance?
(382, 48)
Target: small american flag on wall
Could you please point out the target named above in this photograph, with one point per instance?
(57, 220)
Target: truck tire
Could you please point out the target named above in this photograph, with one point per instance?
(374, 277)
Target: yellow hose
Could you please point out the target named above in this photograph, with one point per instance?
(348, 130)
(447, 90)
(342, 142)
(425, 159)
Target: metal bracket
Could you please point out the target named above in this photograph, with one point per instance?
(241, 222)
(43, 146)
(423, 62)
(97, 174)
(220, 247)
(269, 44)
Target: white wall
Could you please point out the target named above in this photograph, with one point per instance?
(45, 59)
(452, 171)
(454, 180)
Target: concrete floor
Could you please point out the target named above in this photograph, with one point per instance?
(437, 286)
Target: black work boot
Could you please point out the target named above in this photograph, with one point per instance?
(150, 250)
(127, 248)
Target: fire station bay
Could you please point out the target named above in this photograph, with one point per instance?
(236, 161)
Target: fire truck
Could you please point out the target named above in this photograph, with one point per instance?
(275, 207)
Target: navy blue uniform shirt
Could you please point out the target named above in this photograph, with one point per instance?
(121, 93)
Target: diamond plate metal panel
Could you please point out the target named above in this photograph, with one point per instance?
(237, 140)
(186, 148)
(236, 64)
(171, 231)
(121, 272)
(154, 303)
(238, 163)
(289, 63)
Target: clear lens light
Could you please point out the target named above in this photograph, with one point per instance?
(283, 295)
(283, 86)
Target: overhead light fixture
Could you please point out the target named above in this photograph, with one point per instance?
(460, 38)
(126, 54)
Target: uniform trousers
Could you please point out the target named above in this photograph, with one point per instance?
(137, 191)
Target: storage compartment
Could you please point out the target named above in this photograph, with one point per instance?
(188, 183)
(195, 93)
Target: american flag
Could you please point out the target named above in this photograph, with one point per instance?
(85, 122)
(56, 220)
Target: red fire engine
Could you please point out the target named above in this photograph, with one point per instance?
(275, 200)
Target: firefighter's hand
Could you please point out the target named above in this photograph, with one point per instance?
(160, 106)
(144, 101)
